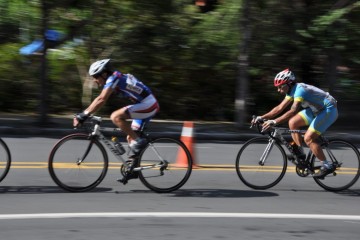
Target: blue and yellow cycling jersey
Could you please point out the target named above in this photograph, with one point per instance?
(128, 86)
(311, 97)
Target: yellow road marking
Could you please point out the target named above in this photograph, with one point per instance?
(200, 167)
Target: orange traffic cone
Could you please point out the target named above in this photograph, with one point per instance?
(187, 135)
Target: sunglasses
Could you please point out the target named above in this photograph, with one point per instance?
(96, 76)
(281, 86)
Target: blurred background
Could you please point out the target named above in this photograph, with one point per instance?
(211, 60)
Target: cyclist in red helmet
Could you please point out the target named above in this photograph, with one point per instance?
(310, 106)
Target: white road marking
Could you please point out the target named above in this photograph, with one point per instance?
(177, 215)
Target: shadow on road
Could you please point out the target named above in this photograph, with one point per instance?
(40, 189)
(223, 193)
(348, 192)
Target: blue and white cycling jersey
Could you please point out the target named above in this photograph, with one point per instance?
(128, 86)
(320, 110)
(311, 97)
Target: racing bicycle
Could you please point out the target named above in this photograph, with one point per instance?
(79, 161)
(5, 159)
(262, 162)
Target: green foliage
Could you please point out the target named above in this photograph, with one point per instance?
(188, 58)
(18, 90)
(65, 85)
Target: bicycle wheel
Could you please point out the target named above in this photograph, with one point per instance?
(72, 176)
(5, 160)
(249, 169)
(345, 175)
(166, 165)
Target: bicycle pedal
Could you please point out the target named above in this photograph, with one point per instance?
(123, 180)
(127, 177)
(133, 175)
(324, 174)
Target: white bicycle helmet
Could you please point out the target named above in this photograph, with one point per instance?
(285, 76)
(98, 67)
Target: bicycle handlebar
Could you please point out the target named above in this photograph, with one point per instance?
(95, 119)
(257, 123)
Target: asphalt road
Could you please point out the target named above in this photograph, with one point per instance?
(213, 204)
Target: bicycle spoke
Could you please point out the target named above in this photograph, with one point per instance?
(171, 176)
(347, 172)
(261, 164)
(74, 175)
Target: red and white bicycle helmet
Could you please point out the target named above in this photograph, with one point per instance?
(285, 76)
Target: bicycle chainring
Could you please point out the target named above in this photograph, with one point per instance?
(302, 172)
(124, 169)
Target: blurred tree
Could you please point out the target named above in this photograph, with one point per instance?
(243, 78)
(206, 5)
(47, 6)
(189, 58)
(312, 38)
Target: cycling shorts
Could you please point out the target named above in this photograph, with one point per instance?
(142, 112)
(322, 121)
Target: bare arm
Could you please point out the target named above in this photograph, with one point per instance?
(277, 110)
(295, 108)
(99, 101)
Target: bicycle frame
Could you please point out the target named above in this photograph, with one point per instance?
(97, 133)
(277, 135)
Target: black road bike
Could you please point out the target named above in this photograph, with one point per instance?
(79, 161)
(262, 162)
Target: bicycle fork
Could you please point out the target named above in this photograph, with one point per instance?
(80, 160)
(265, 155)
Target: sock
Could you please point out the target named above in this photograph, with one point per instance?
(326, 164)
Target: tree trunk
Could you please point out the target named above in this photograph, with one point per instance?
(43, 77)
(243, 78)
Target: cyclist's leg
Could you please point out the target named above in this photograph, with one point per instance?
(301, 119)
(142, 111)
(147, 108)
(119, 117)
(317, 127)
(138, 125)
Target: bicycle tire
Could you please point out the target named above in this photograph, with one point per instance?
(176, 173)
(349, 172)
(5, 159)
(69, 175)
(249, 170)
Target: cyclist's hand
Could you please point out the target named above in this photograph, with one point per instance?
(268, 124)
(79, 118)
(76, 123)
(257, 119)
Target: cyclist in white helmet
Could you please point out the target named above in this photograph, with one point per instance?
(126, 85)
(311, 107)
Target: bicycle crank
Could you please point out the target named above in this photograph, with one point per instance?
(302, 172)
